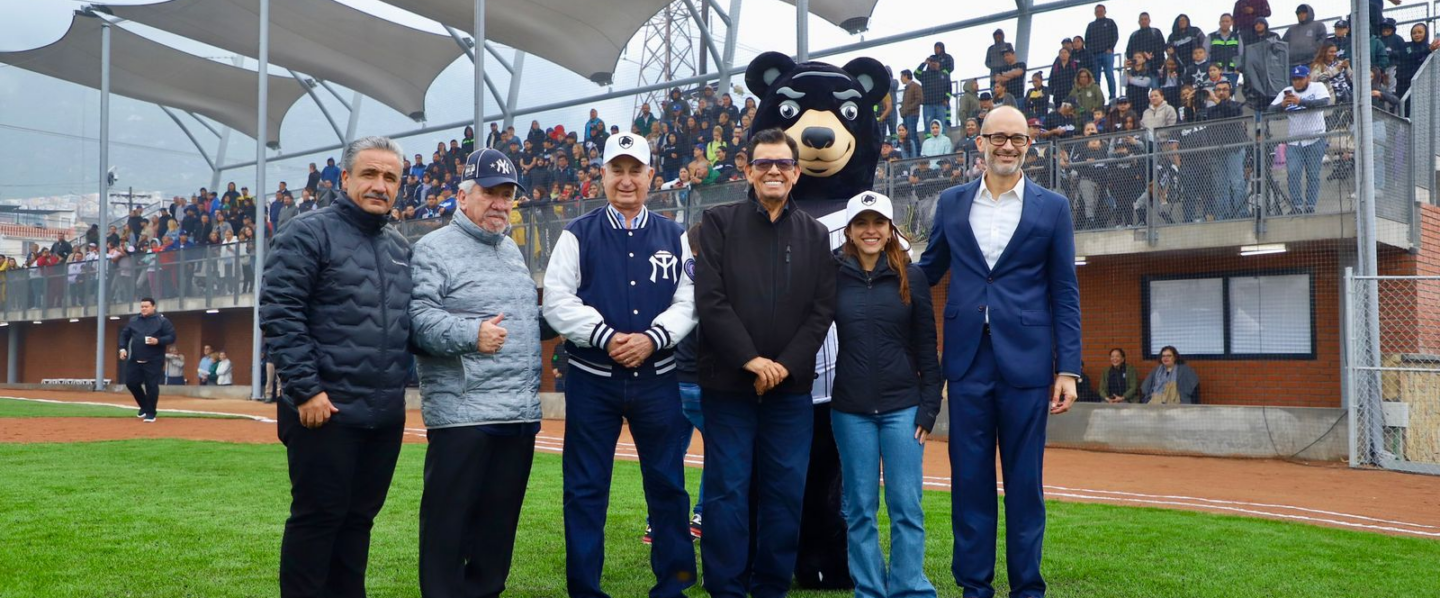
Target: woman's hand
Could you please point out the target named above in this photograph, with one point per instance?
(921, 435)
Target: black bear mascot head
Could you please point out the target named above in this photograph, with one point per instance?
(830, 113)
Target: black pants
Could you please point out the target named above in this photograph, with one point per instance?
(339, 476)
(143, 380)
(474, 486)
(821, 562)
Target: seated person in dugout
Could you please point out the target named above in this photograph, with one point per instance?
(1172, 382)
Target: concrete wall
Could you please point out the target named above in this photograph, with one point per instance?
(1222, 431)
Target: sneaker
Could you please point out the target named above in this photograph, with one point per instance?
(646, 539)
(140, 414)
(149, 419)
(695, 526)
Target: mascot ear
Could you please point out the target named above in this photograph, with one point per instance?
(765, 70)
(873, 78)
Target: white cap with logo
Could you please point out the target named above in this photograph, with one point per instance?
(627, 144)
(869, 201)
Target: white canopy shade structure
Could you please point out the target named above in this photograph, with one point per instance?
(851, 15)
(389, 62)
(584, 36)
(149, 71)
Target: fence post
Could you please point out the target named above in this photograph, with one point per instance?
(1349, 398)
(1152, 237)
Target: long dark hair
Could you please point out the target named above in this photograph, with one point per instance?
(895, 257)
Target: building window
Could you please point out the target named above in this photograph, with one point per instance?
(1268, 315)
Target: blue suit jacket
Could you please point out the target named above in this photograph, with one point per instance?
(1032, 294)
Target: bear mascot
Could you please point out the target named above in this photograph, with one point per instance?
(830, 113)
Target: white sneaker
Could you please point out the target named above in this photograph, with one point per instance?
(150, 420)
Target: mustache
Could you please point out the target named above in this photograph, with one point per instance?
(379, 196)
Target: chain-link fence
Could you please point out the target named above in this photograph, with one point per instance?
(1393, 357)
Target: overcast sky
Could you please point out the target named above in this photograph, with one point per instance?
(48, 128)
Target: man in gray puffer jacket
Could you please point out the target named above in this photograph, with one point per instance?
(476, 325)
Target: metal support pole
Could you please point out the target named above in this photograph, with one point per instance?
(704, 31)
(514, 96)
(467, 46)
(1022, 30)
(354, 106)
(724, 16)
(479, 57)
(1368, 386)
(802, 30)
(1352, 414)
(495, 53)
(732, 31)
(100, 346)
(203, 123)
(257, 377)
(309, 87)
(326, 85)
(220, 158)
(186, 130)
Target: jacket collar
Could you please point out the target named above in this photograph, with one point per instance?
(617, 220)
(760, 207)
(851, 265)
(461, 221)
(370, 223)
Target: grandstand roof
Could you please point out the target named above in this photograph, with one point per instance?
(150, 71)
(850, 15)
(390, 62)
(585, 37)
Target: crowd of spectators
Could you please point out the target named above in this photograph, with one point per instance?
(697, 137)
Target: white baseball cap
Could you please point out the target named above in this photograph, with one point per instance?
(869, 201)
(627, 144)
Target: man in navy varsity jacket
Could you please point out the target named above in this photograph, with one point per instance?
(614, 289)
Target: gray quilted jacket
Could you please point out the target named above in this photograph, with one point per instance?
(463, 275)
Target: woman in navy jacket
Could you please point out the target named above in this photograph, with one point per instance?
(886, 397)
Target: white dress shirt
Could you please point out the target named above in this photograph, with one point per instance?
(994, 220)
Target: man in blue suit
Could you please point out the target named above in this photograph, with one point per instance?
(1012, 351)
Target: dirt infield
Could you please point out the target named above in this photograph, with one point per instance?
(1328, 494)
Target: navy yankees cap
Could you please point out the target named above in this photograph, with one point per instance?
(489, 167)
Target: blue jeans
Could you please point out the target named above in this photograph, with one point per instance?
(1230, 185)
(1304, 161)
(933, 112)
(690, 405)
(770, 439)
(1105, 65)
(864, 441)
(595, 408)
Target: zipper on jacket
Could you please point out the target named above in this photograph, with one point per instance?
(384, 296)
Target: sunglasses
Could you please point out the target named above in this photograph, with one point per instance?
(763, 165)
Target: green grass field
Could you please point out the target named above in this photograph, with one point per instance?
(171, 518)
(16, 408)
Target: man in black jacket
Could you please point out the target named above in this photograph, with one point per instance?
(1101, 35)
(142, 348)
(1149, 40)
(765, 295)
(335, 314)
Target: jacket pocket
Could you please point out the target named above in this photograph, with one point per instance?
(951, 312)
(1035, 317)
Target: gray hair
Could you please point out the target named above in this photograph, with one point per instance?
(373, 142)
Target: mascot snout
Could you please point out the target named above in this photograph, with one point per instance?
(825, 144)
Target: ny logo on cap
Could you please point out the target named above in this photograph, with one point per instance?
(626, 142)
(502, 166)
(868, 200)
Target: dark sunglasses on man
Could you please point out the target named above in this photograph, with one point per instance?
(763, 164)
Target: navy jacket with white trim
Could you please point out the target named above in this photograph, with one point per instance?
(604, 278)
